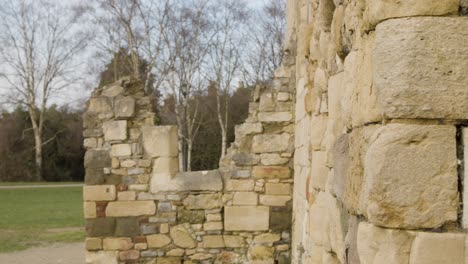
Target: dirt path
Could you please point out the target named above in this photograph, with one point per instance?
(54, 254)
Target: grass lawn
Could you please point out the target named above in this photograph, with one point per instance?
(35, 183)
(32, 217)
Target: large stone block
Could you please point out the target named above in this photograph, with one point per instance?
(271, 172)
(160, 141)
(270, 143)
(97, 159)
(121, 150)
(100, 105)
(115, 130)
(158, 240)
(99, 193)
(246, 218)
(102, 257)
(117, 243)
(187, 181)
(166, 165)
(434, 248)
(203, 201)
(269, 117)
(420, 67)
(124, 107)
(182, 237)
(411, 176)
(130, 208)
(379, 10)
(379, 245)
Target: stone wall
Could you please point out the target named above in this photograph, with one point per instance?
(140, 209)
(381, 111)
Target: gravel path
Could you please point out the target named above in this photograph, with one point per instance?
(54, 254)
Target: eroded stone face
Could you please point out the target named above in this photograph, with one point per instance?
(420, 67)
(270, 143)
(115, 130)
(433, 248)
(160, 141)
(411, 176)
(246, 218)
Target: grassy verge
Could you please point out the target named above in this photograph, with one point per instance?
(35, 183)
(32, 217)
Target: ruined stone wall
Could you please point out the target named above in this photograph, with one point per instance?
(381, 111)
(140, 209)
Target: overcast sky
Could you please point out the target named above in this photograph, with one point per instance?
(76, 95)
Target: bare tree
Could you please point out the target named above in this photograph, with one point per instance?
(266, 36)
(138, 26)
(38, 49)
(229, 18)
(187, 36)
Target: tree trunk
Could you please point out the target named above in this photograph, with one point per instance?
(38, 155)
(189, 155)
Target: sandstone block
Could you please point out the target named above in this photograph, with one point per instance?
(100, 105)
(271, 172)
(213, 241)
(99, 192)
(267, 102)
(121, 150)
(188, 181)
(249, 128)
(213, 226)
(191, 216)
(379, 245)
(126, 196)
(93, 243)
(426, 199)
(124, 107)
(270, 143)
(244, 159)
(273, 159)
(97, 159)
(274, 200)
(113, 90)
(166, 166)
(203, 201)
(115, 130)
(268, 238)
(245, 198)
(233, 241)
(269, 117)
(160, 141)
(420, 65)
(182, 237)
(246, 218)
(240, 185)
(117, 243)
(158, 241)
(102, 257)
(262, 253)
(89, 210)
(129, 255)
(168, 260)
(379, 10)
(278, 188)
(130, 208)
(434, 248)
(99, 227)
(319, 170)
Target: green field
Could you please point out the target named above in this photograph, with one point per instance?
(32, 217)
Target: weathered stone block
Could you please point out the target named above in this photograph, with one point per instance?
(245, 159)
(188, 181)
(168, 260)
(112, 90)
(420, 67)
(130, 208)
(267, 238)
(273, 159)
(166, 166)
(117, 243)
(249, 128)
(213, 241)
(160, 141)
(89, 210)
(426, 199)
(281, 218)
(127, 227)
(213, 226)
(379, 10)
(274, 200)
(182, 237)
(269, 117)
(267, 102)
(129, 255)
(203, 201)
(100, 227)
(434, 248)
(102, 257)
(99, 193)
(246, 218)
(158, 241)
(278, 188)
(271, 172)
(100, 105)
(93, 243)
(319, 170)
(124, 107)
(115, 130)
(191, 216)
(245, 198)
(379, 245)
(121, 150)
(240, 185)
(233, 241)
(270, 143)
